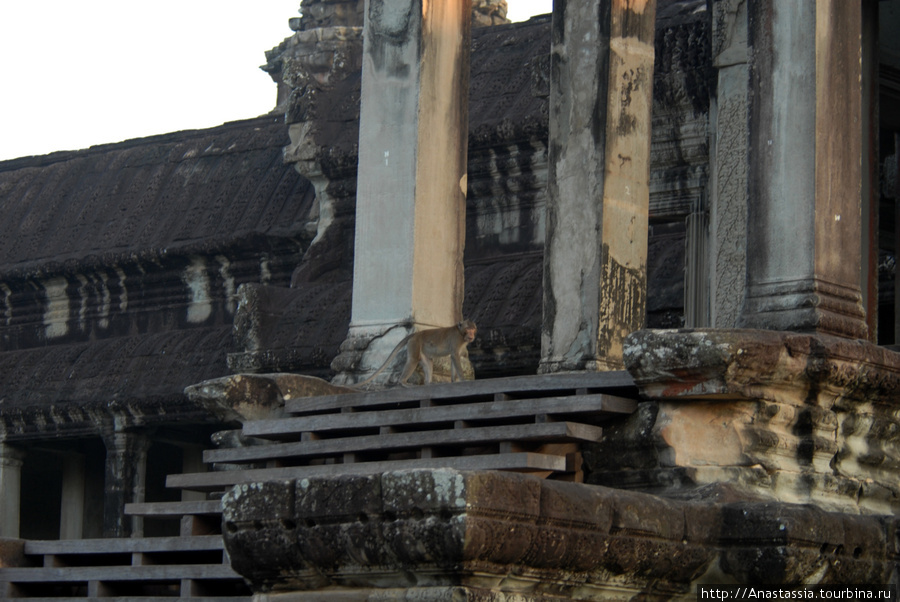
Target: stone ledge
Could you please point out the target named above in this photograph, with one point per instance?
(751, 364)
(783, 416)
(511, 534)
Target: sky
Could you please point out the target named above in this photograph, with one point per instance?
(76, 74)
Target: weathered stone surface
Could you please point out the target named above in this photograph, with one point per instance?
(410, 210)
(242, 397)
(595, 256)
(796, 418)
(107, 319)
(11, 461)
(406, 594)
(507, 534)
(751, 364)
(280, 329)
(728, 189)
(12, 552)
(489, 12)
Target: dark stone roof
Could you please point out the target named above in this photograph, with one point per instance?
(78, 389)
(292, 329)
(509, 81)
(505, 299)
(672, 13)
(150, 195)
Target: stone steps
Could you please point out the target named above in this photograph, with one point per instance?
(512, 387)
(193, 568)
(519, 462)
(197, 518)
(527, 424)
(464, 436)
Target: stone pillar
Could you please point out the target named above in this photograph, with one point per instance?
(871, 178)
(728, 158)
(71, 515)
(126, 467)
(11, 460)
(411, 183)
(803, 222)
(595, 256)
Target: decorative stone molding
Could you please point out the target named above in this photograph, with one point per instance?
(484, 536)
(783, 416)
(489, 12)
(241, 397)
(826, 370)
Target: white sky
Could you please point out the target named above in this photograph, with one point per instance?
(75, 74)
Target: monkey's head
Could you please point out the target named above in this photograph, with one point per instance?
(468, 329)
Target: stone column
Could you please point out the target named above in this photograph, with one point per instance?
(411, 183)
(595, 256)
(11, 460)
(871, 178)
(126, 467)
(728, 162)
(803, 222)
(71, 515)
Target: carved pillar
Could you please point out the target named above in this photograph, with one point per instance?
(126, 467)
(803, 222)
(728, 155)
(595, 257)
(411, 182)
(11, 460)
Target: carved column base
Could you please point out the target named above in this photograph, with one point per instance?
(805, 306)
(366, 348)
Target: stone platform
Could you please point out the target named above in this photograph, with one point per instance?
(752, 457)
(486, 536)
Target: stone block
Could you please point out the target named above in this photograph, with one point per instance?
(783, 416)
(462, 530)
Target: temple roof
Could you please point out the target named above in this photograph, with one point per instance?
(150, 195)
(77, 389)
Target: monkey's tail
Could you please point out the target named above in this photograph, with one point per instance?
(386, 362)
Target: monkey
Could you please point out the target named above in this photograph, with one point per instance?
(423, 346)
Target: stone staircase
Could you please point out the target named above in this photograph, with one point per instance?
(532, 424)
(191, 566)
